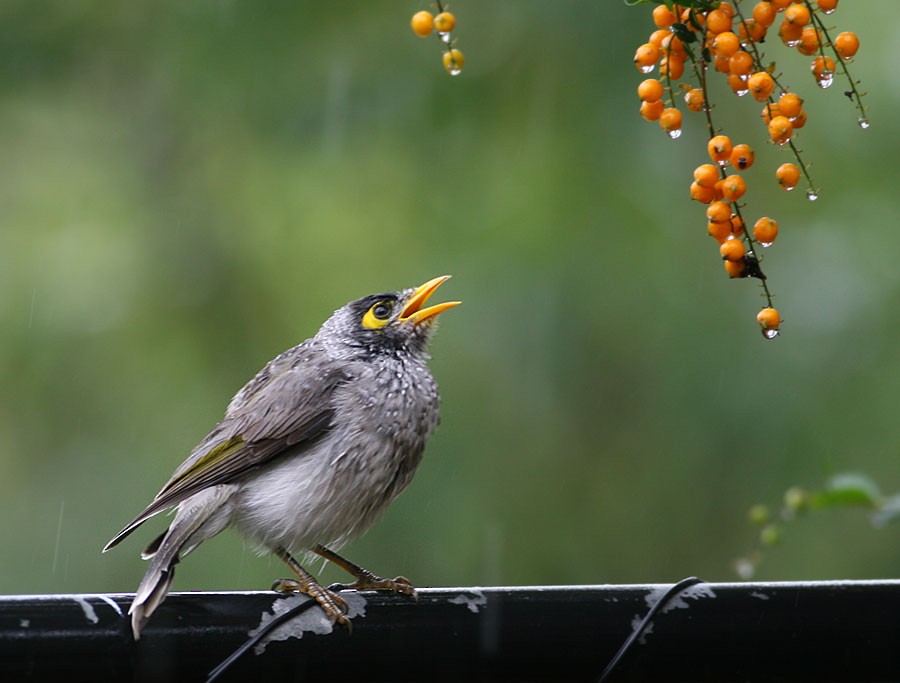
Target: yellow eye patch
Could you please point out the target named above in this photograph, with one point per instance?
(378, 315)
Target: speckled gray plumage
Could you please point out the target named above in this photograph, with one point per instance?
(310, 452)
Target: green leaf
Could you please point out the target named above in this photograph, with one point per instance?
(848, 489)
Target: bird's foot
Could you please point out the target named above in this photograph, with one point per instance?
(334, 606)
(367, 581)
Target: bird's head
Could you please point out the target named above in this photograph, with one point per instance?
(388, 323)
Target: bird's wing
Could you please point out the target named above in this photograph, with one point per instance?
(292, 408)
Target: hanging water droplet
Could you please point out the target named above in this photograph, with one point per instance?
(825, 79)
(812, 195)
(765, 244)
(742, 92)
(863, 122)
(723, 162)
(647, 69)
(445, 36)
(792, 43)
(745, 568)
(789, 188)
(770, 334)
(455, 71)
(674, 134)
(829, 11)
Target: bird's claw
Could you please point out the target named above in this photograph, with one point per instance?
(334, 606)
(370, 582)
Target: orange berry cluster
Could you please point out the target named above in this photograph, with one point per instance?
(711, 36)
(425, 23)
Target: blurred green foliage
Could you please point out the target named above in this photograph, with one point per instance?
(189, 188)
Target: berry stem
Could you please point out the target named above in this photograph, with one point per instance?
(853, 93)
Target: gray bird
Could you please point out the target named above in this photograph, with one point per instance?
(310, 452)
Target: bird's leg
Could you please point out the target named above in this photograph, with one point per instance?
(365, 580)
(332, 603)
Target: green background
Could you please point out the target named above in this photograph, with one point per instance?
(188, 188)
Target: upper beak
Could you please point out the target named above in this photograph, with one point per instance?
(413, 311)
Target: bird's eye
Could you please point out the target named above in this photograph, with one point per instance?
(377, 316)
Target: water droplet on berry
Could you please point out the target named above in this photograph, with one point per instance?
(792, 43)
(647, 69)
(770, 334)
(765, 244)
(674, 134)
(741, 92)
(812, 195)
(863, 122)
(825, 79)
(829, 11)
(445, 36)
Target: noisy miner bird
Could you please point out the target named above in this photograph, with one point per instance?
(310, 452)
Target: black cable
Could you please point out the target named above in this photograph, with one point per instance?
(639, 629)
(263, 632)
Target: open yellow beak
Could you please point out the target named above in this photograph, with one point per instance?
(413, 311)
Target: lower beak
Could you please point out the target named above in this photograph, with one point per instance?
(413, 311)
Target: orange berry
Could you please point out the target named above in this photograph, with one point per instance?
(704, 195)
(444, 22)
(670, 121)
(789, 33)
(764, 13)
(718, 212)
(422, 23)
(671, 66)
(742, 156)
(761, 85)
(751, 31)
(790, 105)
(769, 112)
(740, 63)
(720, 189)
(733, 249)
(810, 41)
(645, 57)
(663, 17)
(650, 90)
(737, 226)
(823, 69)
(718, 21)
(719, 148)
(736, 269)
(846, 44)
(651, 111)
(799, 120)
(672, 45)
(656, 38)
(725, 44)
(765, 230)
(797, 14)
(781, 5)
(734, 187)
(728, 8)
(453, 61)
(706, 175)
(718, 231)
(780, 129)
(787, 175)
(828, 6)
(722, 64)
(769, 320)
(737, 84)
(693, 98)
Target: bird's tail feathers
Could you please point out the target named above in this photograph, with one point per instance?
(198, 518)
